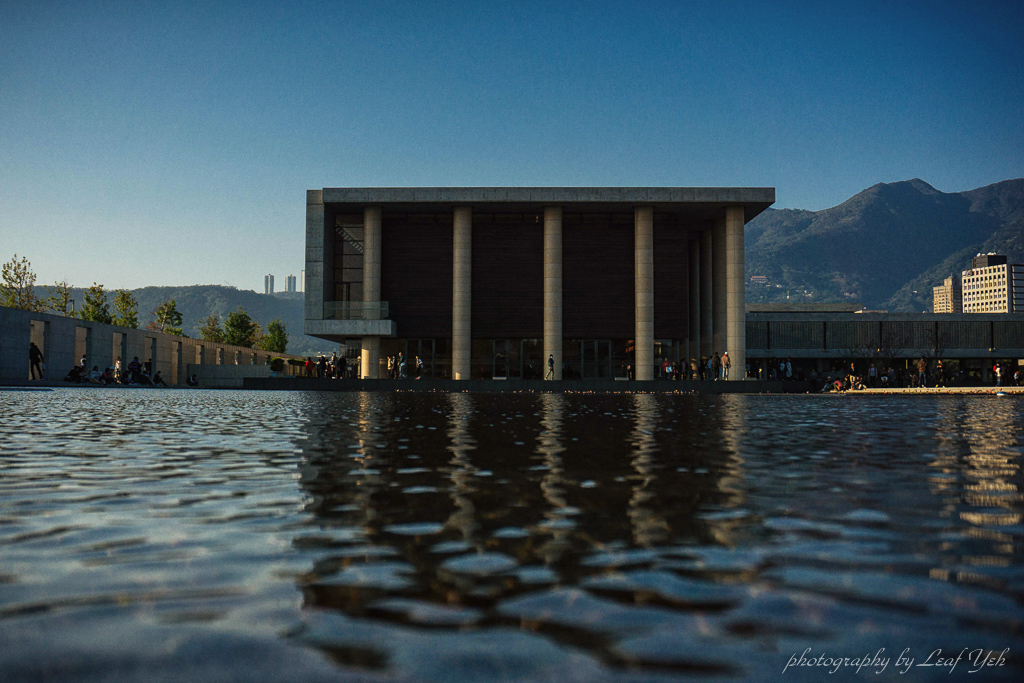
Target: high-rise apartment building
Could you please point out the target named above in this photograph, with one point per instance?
(993, 286)
(289, 283)
(947, 297)
(268, 284)
(302, 281)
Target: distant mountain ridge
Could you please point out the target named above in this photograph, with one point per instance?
(885, 247)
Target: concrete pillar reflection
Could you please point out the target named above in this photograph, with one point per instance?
(649, 528)
(463, 473)
(370, 356)
(462, 289)
(551, 445)
(553, 288)
(643, 233)
(706, 303)
(718, 288)
(736, 319)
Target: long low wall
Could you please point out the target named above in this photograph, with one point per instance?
(63, 341)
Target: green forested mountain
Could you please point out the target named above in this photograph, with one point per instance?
(882, 244)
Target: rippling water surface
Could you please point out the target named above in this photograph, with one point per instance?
(194, 535)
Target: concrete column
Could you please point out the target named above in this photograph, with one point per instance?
(553, 288)
(315, 242)
(693, 347)
(369, 360)
(462, 289)
(718, 287)
(643, 269)
(735, 269)
(706, 318)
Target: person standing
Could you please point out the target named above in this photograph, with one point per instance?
(726, 364)
(35, 359)
(117, 370)
(716, 367)
(551, 367)
(922, 373)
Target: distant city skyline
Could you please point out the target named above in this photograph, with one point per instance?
(173, 145)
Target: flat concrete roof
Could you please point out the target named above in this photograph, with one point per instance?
(697, 203)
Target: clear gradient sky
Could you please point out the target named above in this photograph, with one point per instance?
(148, 143)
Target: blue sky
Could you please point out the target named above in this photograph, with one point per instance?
(172, 143)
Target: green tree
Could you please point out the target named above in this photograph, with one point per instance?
(60, 298)
(17, 286)
(126, 309)
(239, 329)
(276, 338)
(95, 307)
(166, 318)
(210, 330)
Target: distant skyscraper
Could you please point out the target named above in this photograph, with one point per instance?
(303, 283)
(289, 283)
(946, 298)
(268, 284)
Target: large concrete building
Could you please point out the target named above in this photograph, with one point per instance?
(491, 282)
(947, 297)
(993, 286)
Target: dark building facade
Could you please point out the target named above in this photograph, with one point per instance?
(491, 282)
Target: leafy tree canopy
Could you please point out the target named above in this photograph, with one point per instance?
(95, 307)
(239, 329)
(126, 309)
(166, 318)
(17, 285)
(276, 338)
(60, 299)
(210, 330)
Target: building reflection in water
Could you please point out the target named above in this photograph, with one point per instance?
(976, 473)
(550, 446)
(463, 473)
(648, 527)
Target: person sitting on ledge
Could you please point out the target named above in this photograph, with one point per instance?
(94, 376)
(192, 380)
(108, 376)
(158, 380)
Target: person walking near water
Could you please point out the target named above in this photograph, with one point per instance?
(551, 367)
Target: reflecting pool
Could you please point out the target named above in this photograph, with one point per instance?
(203, 535)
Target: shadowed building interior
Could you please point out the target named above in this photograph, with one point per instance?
(490, 282)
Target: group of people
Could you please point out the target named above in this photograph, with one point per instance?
(135, 373)
(397, 367)
(921, 374)
(335, 367)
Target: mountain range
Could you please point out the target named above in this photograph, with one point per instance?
(885, 247)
